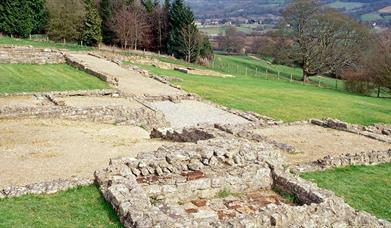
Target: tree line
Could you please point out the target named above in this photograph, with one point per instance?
(323, 41)
(167, 27)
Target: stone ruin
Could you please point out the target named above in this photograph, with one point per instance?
(29, 55)
(220, 182)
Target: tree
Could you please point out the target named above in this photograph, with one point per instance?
(106, 14)
(189, 42)
(65, 19)
(233, 41)
(129, 25)
(22, 17)
(92, 33)
(322, 41)
(180, 17)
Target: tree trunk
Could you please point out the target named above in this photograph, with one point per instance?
(378, 91)
(305, 75)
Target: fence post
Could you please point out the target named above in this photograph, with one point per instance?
(278, 75)
(291, 77)
(256, 71)
(266, 74)
(318, 82)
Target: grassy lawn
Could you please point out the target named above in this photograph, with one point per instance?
(284, 100)
(39, 44)
(81, 207)
(40, 78)
(365, 188)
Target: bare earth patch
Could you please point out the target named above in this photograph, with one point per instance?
(314, 142)
(27, 101)
(42, 150)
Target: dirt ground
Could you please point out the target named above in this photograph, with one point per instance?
(42, 150)
(26, 101)
(314, 142)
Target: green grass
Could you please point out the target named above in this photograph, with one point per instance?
(41, 78)
(346, 5)
(374, 16)
(366, 188)
(81, 207)
(40, 44)
(284, 100)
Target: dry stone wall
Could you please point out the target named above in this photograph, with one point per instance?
(363, 158)
(49, 187)
(154, 189)
(29, 55)
(381, 132)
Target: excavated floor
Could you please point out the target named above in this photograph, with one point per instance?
(33, 150)
(313, 142)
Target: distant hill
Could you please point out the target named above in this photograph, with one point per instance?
(365, 10)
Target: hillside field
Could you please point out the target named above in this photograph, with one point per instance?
(280, 98)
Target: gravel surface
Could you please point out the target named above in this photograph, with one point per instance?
(191, 113)
(86, 102)
(129, 81)
(314, 142)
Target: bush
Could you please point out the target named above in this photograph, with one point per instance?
(358, 82)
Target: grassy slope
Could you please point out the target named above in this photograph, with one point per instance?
(284, 100)
(82, 207)
(33, 78)
(365, 188)
(39, 44)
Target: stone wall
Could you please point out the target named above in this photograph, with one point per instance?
(154, 188)
(381, 132)
(363, 158)
(49, 187)
(29, 55)
(105, 114)
(105, 77)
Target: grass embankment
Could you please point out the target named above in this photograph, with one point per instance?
(284, 100)
(81, 207)
(366, 188)
(41, 78)
(42, 44)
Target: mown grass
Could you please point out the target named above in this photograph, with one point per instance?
(284, 100)
(41, 44)
(81, 207)
(41, 78)
(366, 188)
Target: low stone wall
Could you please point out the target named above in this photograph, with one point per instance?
(49, 187)
(107, 114)
(154, 189)
(381, 132)
(105, 77)
(29, 55)
(81, 93)
(183, 135)
(363, 158)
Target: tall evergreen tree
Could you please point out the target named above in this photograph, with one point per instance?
(91, 34)
(180, 17)
(22, 17)
(106, 14)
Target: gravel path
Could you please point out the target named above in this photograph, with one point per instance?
(35, 150)
(129, 81)
(191, 113)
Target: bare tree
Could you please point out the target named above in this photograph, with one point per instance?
(129, 24)
(233, 41)
(190, 40)
(324, 41)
